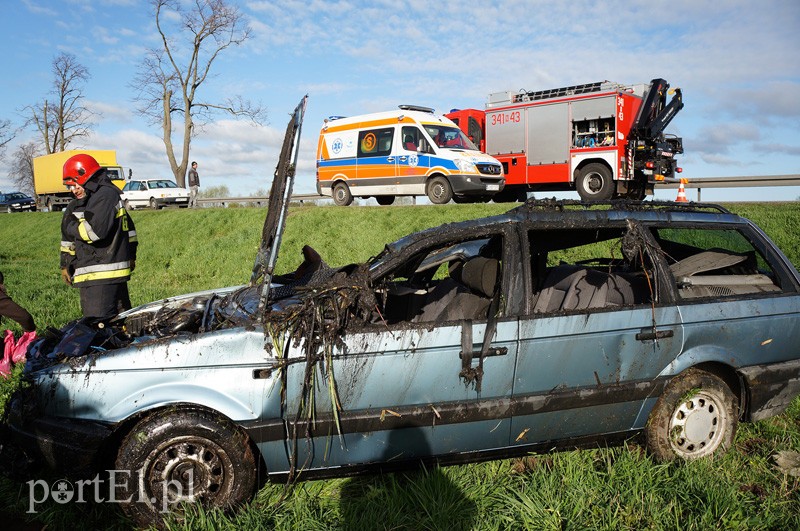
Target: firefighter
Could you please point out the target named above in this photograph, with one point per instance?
(98, 240)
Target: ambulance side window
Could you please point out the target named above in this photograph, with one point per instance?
(375, 142)
(410, 138)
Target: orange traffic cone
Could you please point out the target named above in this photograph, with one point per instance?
(681, 193)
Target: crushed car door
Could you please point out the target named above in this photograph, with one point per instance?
(419, 384)
(597, 335)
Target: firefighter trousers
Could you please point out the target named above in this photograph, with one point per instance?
(104, 301)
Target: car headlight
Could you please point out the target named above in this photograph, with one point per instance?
(466, 166)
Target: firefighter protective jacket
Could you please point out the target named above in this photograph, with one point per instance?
(98, 238)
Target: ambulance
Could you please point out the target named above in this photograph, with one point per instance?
(410, 151)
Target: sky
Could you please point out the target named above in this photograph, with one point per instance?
(736, 62)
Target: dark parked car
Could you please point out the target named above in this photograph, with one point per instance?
(16, 202)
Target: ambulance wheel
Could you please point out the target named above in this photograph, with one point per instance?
(341, 194)
(439, 190)
(595, 183)
(384, 200)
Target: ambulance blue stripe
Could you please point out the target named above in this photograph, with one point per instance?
(424, 160)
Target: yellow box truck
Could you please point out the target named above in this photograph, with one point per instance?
(48, 171)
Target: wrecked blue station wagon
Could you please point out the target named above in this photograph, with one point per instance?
(552, 325)
(555, 325)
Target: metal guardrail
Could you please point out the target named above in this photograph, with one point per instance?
(698, 183)
(257, 200)
(736, 182)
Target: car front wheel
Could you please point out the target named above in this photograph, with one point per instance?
(695, 417)
(183, 455)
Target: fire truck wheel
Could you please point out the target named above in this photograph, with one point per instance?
(341, 194)
(595, 183)
(384, 200)
(439, 190)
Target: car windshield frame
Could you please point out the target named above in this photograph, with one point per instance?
(449, 137)
(161, 183)
(16, 196)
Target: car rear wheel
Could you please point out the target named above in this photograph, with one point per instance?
(439, 190)
(594, 183)
(341, 194)
(153, 203)
(695, 417)
(183, 455)
(128, 205)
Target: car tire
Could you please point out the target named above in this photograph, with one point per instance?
(696, 416)
(153, 203)
(128, 205)
(439, 190)
(185, 450)
(594, 183)
(341, 194)
(384, 200)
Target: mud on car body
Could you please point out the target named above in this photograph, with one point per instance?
(557, 324)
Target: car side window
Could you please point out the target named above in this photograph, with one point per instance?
(586, 268)
(715, 263)
(375, 142)
(451, 282)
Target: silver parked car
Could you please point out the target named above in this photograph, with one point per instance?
(557, 324)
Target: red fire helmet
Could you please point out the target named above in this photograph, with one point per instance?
(80, 168)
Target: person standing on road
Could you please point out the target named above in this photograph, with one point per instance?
(12, 310)
(194, 185)
(98, 240)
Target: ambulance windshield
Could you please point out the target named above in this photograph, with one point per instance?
(449, 137)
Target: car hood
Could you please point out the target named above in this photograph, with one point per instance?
(204, 311)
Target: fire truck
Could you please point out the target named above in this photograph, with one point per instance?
(604, 139)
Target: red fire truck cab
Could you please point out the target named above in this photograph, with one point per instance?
(603, 139)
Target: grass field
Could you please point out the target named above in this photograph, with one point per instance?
(604, 488)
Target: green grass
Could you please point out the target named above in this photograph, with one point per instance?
(604, 488)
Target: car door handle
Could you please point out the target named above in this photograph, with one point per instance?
(492, 351)
(403, 158)
(648, 334)
(389, 159)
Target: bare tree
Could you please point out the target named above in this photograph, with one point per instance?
(6, 136)
(21, 168)
(168, 78)
(62, 119)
